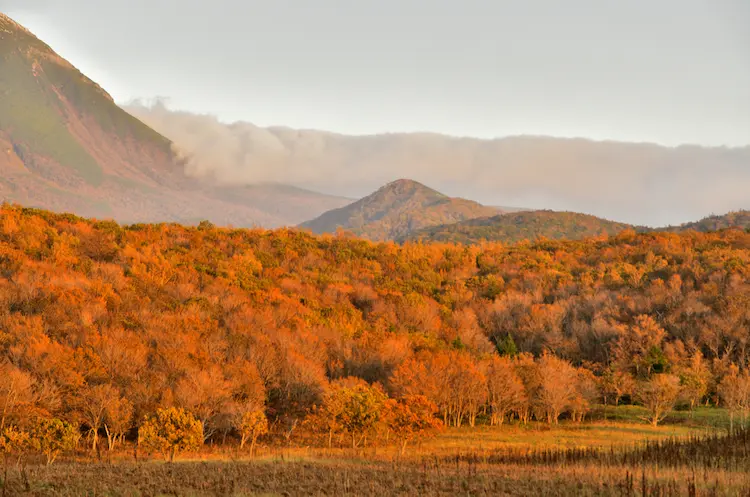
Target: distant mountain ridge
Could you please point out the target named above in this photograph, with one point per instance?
(532, 225)
(630, 182)
(737, 220)
(525, 225)
(397, 209)
(405, 210)
(66, 146)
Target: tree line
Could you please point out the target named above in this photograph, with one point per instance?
(103, 327)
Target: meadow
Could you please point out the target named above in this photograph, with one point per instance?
(623, 456)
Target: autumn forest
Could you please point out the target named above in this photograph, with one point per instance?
(116, 334)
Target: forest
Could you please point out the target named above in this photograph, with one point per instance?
(167, 337)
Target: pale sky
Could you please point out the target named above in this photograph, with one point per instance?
(664, 71)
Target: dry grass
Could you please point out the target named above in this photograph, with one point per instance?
(600, 458)
(541, 436)
(376, 478)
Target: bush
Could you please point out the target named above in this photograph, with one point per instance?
(254, 424)
(52, 437)
(170, 431)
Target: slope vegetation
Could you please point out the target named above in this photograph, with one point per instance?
(732, 220)
(533, 225)
(207, 318)
(530, 225)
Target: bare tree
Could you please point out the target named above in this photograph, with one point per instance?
(95, 401)
(505, 389)
(658, 395)
(734, 391)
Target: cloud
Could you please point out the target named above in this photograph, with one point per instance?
(27, 5)
(638, 183)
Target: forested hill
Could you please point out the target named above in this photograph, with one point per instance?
(166, 314)
(526, 225)
(737, 220)
(534, 225)
(397, 209)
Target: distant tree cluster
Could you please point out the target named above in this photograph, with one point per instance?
(171, 336)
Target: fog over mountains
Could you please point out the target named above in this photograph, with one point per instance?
(65, 145)
(638, 183)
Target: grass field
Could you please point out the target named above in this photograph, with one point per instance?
(376, 478)
(599, 457)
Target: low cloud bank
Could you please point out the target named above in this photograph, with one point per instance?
(637, 183)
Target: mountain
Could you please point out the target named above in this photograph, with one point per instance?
(66, 146)
(737, 220)
(514, 227)
(641, 183)
(396, 209)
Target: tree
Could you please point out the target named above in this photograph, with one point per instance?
(248, 397)
(118, 420)
(658, 395)
(639, 349)
(615, 385)
(13, 441)
(558, 386)
(420, 376)
(466, 386)
(52, 436)
(694, 379)
(326, 418)
(169, 431)
(16, 392)
(362, 410)
(351, 406)
(505, 389)
(411, 417)
(734, 391)
(529, 374)
(254, 424)
(507, 346)
(207, 394)
(587, 391)
(95, 402)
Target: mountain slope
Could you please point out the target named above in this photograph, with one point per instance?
(531, 225)
(396, 209)
(518, 226)
(65, 145)
(738, 220)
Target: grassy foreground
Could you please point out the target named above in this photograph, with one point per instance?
(372, 478)
(619, 456)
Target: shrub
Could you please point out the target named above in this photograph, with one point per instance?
(254, 424)
(412, 417)
(169, 431)
(52, 437)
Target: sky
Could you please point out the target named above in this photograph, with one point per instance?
(662, 71)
